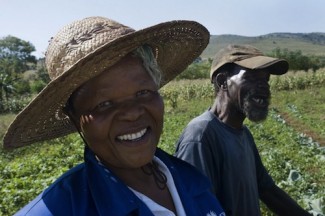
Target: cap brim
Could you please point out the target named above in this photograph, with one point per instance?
(273, 65)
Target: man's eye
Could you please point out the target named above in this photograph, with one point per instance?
(251, 78)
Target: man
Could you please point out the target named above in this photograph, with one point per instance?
(221, 146)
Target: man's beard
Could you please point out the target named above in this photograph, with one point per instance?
(255, 106)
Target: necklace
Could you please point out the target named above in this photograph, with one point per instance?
(159, 177)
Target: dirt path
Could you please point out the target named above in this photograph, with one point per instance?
(300, 126)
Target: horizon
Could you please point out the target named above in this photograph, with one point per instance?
(36, 21)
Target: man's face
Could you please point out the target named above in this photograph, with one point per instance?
(250, 92)
(121, 114)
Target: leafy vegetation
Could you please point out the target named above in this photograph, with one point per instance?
(294, 158)
(291, 140)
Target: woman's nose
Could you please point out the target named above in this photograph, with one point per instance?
(131, 110)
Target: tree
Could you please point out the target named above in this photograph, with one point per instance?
(15, 58)
(6, 89)
(17, 54)
(196, 70)
(298, 61)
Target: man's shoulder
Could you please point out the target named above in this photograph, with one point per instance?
(201, 122)
(201, 126)
(204, 117)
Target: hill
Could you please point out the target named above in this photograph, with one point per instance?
(308, 43)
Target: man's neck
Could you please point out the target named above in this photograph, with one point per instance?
(228, 115)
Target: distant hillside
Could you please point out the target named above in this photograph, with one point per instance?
(308, 43)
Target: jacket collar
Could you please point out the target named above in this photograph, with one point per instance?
(187, 190)
(102, 182)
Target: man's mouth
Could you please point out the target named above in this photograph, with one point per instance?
(132, 136)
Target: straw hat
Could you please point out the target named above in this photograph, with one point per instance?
(248, 57)
(85, 48)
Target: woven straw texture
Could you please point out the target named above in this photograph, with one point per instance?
(85, 48)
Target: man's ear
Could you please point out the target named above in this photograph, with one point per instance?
(221, 79)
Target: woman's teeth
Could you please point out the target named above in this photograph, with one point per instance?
(132, 136)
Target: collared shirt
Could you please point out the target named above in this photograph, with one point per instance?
(88, 189)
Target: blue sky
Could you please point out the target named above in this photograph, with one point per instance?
(37, 21)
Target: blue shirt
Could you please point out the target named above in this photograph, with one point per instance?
(91, 189)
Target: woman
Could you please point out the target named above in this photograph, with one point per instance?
(105, 82)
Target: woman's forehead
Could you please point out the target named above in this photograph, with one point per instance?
(123, 77)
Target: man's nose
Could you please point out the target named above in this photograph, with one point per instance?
(263, 84)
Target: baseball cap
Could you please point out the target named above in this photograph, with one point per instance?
(248, 57)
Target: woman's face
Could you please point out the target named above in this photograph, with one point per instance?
(121, 114)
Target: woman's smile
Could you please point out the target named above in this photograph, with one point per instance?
(132, 136)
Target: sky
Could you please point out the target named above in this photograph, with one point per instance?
(37, 21)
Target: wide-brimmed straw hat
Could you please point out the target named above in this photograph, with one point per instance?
(84, 49)
(248, 57)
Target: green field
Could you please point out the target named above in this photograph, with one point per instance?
(290, 140)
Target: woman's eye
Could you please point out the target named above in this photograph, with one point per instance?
(103, 106)
(144, 93)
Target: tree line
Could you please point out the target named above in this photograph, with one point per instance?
(298, 61)
(22, 75)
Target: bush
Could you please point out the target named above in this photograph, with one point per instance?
(197, 70)
(21, 87)
(15, 104)
(37, 86)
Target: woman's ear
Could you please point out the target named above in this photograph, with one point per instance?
(72, 116)
(76, 121)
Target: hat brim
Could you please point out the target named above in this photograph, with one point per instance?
(272, 65)
(176, 44)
